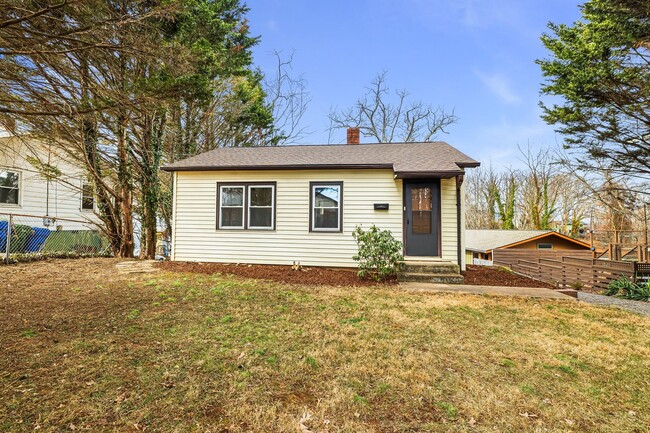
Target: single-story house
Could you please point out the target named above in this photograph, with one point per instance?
(483, 247)
(277, 205)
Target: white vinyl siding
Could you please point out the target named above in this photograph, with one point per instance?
(449, 219)
(63, 198)
(197, 239)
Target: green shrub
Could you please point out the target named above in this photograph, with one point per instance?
(629, 290)
(379, 252)
(639, 292)
(620, 285)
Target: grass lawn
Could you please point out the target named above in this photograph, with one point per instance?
(86, 350)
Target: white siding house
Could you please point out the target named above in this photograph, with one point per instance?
(25, 190)
(301, 203)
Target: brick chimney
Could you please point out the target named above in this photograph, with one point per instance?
(353, 135)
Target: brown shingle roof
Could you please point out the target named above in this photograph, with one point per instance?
(406, 159)
(488, 240)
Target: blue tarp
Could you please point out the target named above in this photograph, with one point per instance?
(3, 235)
(36, 239)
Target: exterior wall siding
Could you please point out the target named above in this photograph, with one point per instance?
(64, 198)
(196, 238)
(449, 219)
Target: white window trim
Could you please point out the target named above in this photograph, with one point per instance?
(20, 188)
(272, 207)
(81, 198)
(221, 207)
(313, 209)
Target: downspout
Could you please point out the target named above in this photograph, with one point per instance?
(459, 229)
(47, 181)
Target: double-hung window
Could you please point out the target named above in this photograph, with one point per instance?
(326, 206)
(246, 206)
(9, 187)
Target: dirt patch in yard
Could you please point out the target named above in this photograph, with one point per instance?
(495, 276)
(282, 274)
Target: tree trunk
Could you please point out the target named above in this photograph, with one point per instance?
(125, 191)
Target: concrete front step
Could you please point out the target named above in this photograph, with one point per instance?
(429, 267)
(445, 278)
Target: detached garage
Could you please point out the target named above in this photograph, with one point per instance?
(502, 247)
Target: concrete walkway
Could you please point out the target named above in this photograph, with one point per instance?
(136, 267)
(525, 292)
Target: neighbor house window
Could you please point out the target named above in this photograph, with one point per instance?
(87, 197)
(246, 206)
(9, 187)
(326, 206)
(546, 246)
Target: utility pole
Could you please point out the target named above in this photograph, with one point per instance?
(645, 223)
(645, 232)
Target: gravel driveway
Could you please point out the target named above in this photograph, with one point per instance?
(638, 307)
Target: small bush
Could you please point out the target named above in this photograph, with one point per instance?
(379, 252)
(625, 288)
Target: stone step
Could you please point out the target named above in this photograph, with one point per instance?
(422, 267)
(449, 278)
(569, 292)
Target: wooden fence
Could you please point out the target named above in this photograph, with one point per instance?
(568, 269)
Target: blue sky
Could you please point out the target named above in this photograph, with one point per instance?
(474, 56)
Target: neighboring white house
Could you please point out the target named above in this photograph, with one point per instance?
(26, 190)
(277, 205)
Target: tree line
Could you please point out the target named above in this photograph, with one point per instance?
(547, 195)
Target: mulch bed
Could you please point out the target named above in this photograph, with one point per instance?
(495, 276)
(282, 274)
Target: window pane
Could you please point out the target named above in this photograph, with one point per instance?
(87, 199)
(261, 196)
(421, 198)
(327, 218)
(261, 217)
(8, 196)
(8, 179)
(232, 196)
(421, 222)
(326, 196)
(232, 217)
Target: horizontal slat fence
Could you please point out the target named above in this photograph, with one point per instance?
(568, 268)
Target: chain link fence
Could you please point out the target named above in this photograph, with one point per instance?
(27, 237)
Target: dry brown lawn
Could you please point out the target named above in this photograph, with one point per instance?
(84, 349)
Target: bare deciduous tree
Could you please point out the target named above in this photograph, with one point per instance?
(386, 121)
(287, 97)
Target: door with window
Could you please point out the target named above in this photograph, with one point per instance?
(422, 218)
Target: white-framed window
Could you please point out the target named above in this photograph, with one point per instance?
(261, 207)
(246, 205)
(9, 187)
(545, 246)
(87, 197)
(231, 206)
(326, 206)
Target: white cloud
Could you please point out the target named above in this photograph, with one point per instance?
(499, 85)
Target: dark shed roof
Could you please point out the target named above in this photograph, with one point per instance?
(405, 159)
